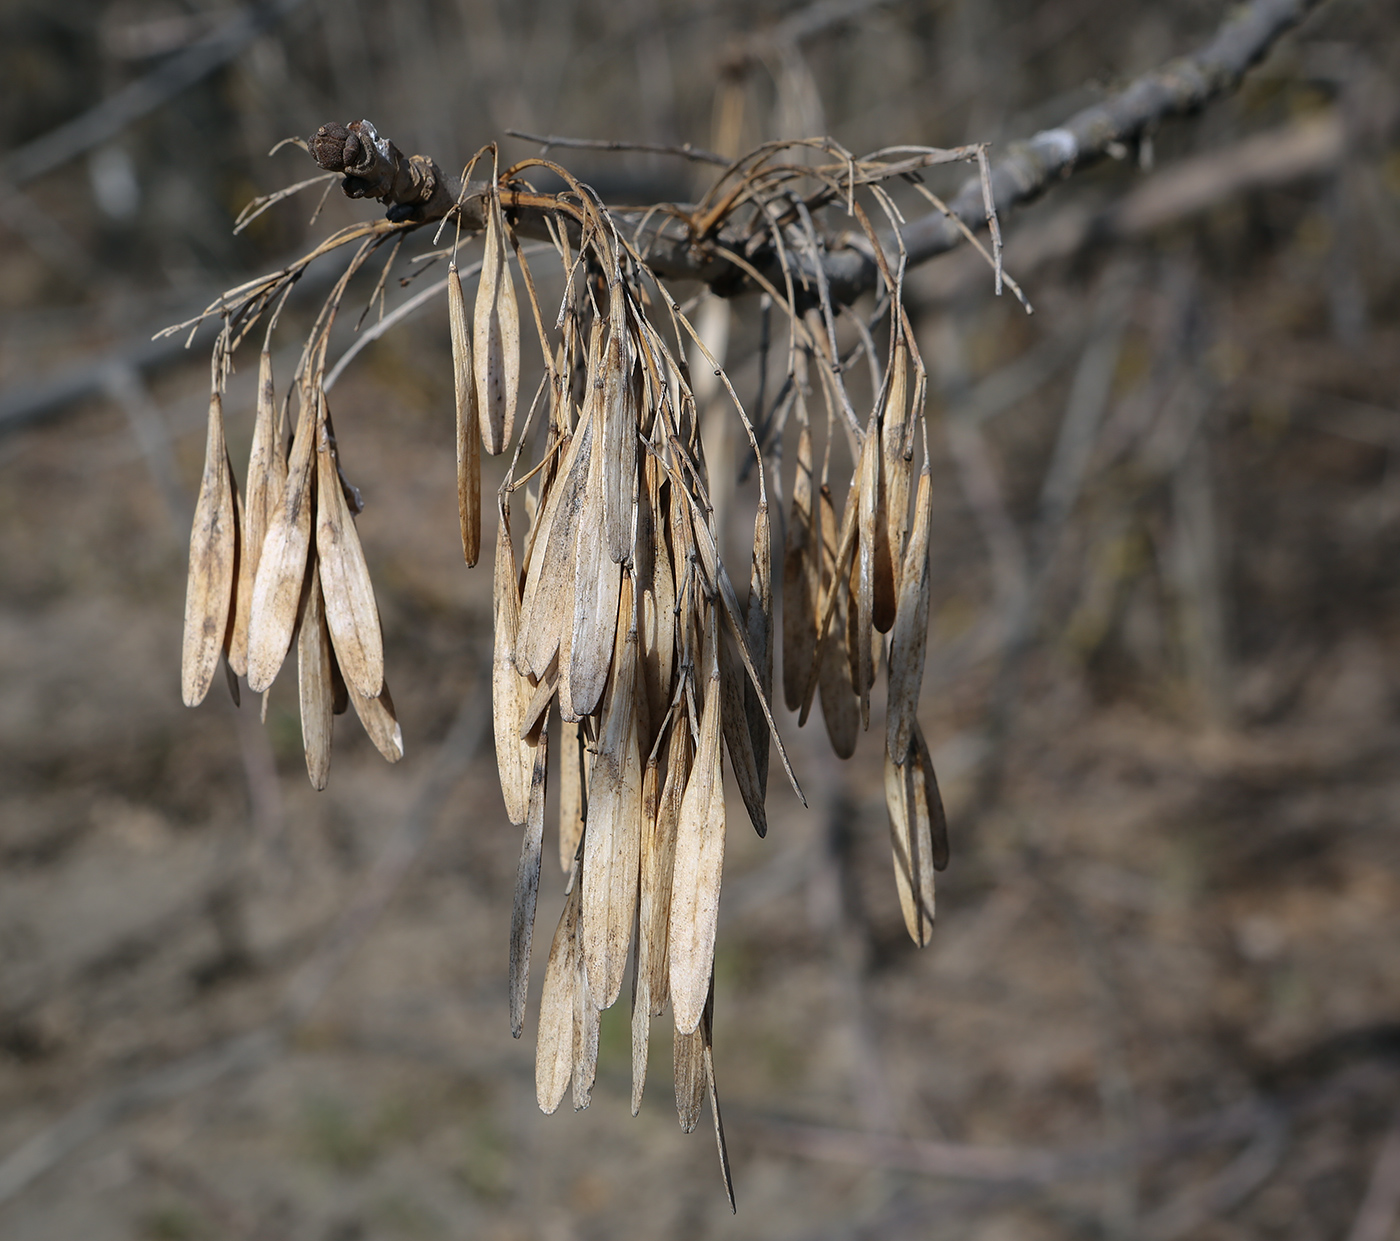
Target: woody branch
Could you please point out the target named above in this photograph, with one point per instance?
(415, 189)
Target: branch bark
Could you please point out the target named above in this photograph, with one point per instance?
(414, 188)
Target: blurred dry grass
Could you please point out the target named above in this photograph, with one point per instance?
(1175, 886)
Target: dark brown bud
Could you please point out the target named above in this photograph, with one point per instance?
(331, 147)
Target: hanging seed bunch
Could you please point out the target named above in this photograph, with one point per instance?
(612, 607)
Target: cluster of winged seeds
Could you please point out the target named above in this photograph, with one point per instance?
(612, 608)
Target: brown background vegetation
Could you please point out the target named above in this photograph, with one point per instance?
(1168, 724)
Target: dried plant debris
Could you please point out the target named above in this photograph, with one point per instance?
(612, 608)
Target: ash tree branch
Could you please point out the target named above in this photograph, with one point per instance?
(413, 188)
(1029, 168)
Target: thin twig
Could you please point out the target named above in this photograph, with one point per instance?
(683, 151)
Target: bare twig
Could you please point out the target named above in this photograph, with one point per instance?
(126, 387)
(683, 151)
(676, 250)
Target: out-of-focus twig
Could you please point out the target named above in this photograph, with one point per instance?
(1375, 1221)
(684, 150)
(1199, 1204)
(1008, 1164)
(126, 387)
(1064, 480)
(243, 1052)
(105, 120)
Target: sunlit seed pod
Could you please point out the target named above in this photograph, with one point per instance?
(688, 1053)
(514, 760)
(641, 974)
(618, 409)
(597, 583)
(380, 721)
(352, 616)
(496, 338)
(586, 1017)
(897, 799)
(527, 886)
(538, 700)
(283, 566)
(699, 860)
(213, 553)
(267, 476)
(554, 1046)
(547, 607)
(468, 429)
(612, 846)
(659, 862)
(572, 792)
(315, 687)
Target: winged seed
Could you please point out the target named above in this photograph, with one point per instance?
(527, 886)
(737, 739)
(892, 521)
(513, 755)
(597, 582)
(840, 709)
(314, 683)
(496, 338)
(213, 557)
(267, 476)
(554, 1045)
(585, 1026)
(381, 722)
(910, 635)
(612, 846)
(571, 792)
(468, 444)
(352, 616)
(760, 635)
(699, 857)
(283, 566)
(548, 603)
(863, 673)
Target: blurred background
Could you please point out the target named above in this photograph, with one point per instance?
(1163, 688)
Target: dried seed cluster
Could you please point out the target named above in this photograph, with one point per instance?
(617, 614)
